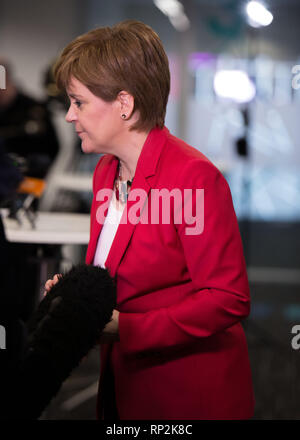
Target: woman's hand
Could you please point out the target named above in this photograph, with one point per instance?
(110, 332)
(50, 283)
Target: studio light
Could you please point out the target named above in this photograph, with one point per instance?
(174, 10)
(258, 15)
(234, 85)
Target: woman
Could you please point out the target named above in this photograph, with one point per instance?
(175, 347)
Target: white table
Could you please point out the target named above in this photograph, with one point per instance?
(51, 228)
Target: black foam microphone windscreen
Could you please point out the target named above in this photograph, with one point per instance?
(66, 326)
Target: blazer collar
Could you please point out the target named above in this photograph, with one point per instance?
(146, 167)
(151, 151)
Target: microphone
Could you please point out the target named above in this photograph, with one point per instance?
(65, 327)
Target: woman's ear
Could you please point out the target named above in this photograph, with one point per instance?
(126, 103)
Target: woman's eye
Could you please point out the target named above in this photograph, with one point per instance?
(78, 103)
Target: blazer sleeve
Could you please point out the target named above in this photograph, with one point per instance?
(217, 268)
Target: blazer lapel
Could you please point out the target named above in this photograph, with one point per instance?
(146, 167)
(125, 228)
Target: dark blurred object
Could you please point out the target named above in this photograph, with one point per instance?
(242, 143)
(26, 127)
(19, 262)
(54, 95)
(17, 191)
(10, 176)
(242, 147)
(66, 326)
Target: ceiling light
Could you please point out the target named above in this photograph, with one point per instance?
(258, 14)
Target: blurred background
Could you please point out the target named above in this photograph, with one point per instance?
(235, 96)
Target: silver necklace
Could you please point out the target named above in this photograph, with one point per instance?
(122, 187)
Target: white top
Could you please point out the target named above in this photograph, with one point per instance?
(108, 232)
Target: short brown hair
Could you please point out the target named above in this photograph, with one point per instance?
(128, 56)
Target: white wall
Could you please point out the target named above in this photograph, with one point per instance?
(33, 32)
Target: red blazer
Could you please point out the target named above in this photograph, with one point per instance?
(182, 352)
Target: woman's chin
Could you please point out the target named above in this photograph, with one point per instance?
(87, 147)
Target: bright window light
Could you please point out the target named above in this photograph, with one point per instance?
(258, 14)
(234, 85)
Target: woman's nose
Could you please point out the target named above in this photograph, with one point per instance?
(71, 115)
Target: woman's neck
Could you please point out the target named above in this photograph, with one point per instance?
(129, 155)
